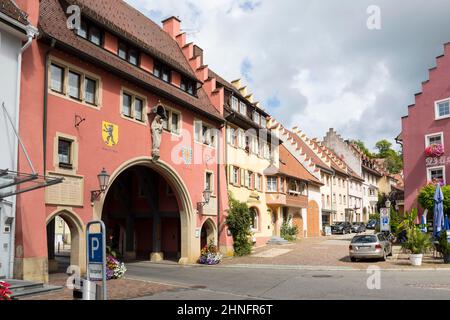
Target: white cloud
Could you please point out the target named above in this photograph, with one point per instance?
(318, 58)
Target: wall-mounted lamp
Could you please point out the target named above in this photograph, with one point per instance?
(103, 181)
(206, 196)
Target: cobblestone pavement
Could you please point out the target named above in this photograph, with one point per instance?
(121, 289)
(328, 251)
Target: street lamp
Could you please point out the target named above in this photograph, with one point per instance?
(207, 197)
(103, 181)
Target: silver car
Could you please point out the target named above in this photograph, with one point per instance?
(369, 247)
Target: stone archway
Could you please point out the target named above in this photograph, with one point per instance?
(190, 246)
(208, 233)
(76, 226)
(313, 219)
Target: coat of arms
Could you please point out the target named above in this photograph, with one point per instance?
(110, 133)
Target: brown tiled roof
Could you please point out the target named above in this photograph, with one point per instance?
(307, 150)
(333, 158)
(134, 26)
(52, 23)
(290, 166)
(9, 8)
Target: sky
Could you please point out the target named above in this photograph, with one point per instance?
(315, 64)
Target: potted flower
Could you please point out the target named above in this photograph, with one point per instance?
(5, 293)
(434, 150)
(444, 247)
(210, 255)
(417, 243)
(114, 268)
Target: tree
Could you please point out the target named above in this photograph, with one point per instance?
(363, 147)
(239, 223)
(384, 148)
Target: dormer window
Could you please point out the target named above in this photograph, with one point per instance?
(187, 85)
(91, 32)
(128, 53)
(161, 71)
(263, 122)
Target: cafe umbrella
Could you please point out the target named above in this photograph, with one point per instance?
(438, 210)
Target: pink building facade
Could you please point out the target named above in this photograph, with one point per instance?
(426, 133)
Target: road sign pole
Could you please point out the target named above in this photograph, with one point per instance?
(103, 236)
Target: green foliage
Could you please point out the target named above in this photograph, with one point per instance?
(393, 159)
(444, 246)
(426, 197)
(239, 224)
(417, 242)
(408, 221)
(287, 232)
(363, 147)
(396, 219)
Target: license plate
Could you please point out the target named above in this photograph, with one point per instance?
(362, 248)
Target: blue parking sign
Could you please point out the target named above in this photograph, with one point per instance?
(95, 248)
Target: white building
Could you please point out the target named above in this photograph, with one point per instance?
(16, 34)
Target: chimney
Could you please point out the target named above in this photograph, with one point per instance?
(172, 26)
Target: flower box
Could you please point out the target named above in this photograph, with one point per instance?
(434, 150)
(210, 255)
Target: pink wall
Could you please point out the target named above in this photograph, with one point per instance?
(134, 141)
(111, 43)
(420, 122)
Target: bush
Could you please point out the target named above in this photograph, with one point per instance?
(444, 246)
(426, 197)
(239, 224)
(417, 242)
(287, 232)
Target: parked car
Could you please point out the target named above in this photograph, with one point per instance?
(371, 224)
(369, 247)
(358, 227)
(341, 228)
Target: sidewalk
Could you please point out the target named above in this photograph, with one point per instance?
(325, 253)
(121, 289)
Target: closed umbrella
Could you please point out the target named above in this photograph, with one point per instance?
(423, 221)
(446, 223)
(438, 210)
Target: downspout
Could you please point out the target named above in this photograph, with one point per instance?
(44, 119)
(31, 33)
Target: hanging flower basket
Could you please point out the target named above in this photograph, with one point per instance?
(210, 255)
(114, 268)
(434, 150)
(5, 293)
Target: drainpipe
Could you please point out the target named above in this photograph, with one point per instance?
(31, 33)
(44, 121)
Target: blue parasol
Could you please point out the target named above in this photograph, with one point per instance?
(446, 223)
(438, 211)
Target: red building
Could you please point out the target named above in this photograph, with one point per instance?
(95, 98)
(426, 133)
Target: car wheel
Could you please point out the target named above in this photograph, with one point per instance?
(352, 259)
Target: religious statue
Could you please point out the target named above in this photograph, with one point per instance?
(157, 129)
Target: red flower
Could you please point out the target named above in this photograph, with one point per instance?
(5, 293)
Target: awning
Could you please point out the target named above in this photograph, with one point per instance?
(14, 183)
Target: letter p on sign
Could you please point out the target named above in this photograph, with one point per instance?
(95, 250)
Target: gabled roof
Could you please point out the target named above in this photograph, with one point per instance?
(9, 8)
(289, 166)
(336, 163)
(122, 18)
(307, 150)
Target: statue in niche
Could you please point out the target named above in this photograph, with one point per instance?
(157, 129)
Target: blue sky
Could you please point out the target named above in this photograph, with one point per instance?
(314, 63)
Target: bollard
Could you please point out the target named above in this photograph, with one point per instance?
(88, 290)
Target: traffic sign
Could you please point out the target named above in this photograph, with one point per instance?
(95, 248)
(96, 255)
(385, 220)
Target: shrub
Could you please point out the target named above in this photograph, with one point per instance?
(444, 246)
(239, 224)
(417, 242)
(287, 232)
(426, 197)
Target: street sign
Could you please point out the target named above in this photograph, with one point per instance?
(385, 220)
(96, 255)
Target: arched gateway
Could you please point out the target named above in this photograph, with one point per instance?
(148, 213)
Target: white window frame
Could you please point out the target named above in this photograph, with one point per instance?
(431, 135)
(436, 109)
(169, 128)
(267, 184)
(212, 189)
(436, 168)
(242, 108)
(235, 103)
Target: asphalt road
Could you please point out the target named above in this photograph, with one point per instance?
(290, 283)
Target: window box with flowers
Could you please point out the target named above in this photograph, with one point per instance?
(434, 150)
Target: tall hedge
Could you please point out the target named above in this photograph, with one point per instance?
(426, 197)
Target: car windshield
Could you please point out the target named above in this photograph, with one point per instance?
(364, 239)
